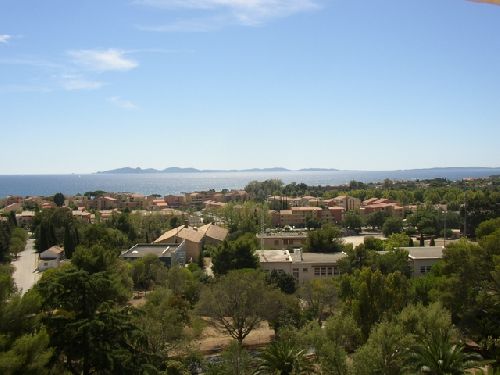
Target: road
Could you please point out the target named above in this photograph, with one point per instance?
(25, 265)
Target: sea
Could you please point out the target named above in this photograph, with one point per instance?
(177, 183)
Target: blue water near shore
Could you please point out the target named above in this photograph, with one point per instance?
(175, 183)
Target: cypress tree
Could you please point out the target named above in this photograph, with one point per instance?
(69, 242)
(422, 242)
(12, 220)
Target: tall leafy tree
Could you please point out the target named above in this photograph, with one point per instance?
(59, 199)
(237, 302)
(236, 254)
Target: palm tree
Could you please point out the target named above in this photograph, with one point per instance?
(283, 358)
(438, 356)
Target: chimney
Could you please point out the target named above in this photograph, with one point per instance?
(186, 223)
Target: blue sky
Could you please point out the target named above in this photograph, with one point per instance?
(373, 85)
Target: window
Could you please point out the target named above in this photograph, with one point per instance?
(425, 269)
(316, 271)
(276, 242)
(330, 271)
(295, 273)
(323, 271)
(304, 269)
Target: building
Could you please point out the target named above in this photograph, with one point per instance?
(389, 207)
(214, 234)
(302, 266)
(282, 240)
(347, 202)
(175, 201)
(169, 254)
(195, 238)
(422, 258)
(299, 216)
(25, 218)
(50, 258)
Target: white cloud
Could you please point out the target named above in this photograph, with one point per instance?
(228, 12)
(4, 38)
(75, 82)
(103, 60)
(122, 103)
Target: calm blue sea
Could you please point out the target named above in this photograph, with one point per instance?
(175, 183)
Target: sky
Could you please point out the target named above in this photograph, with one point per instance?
(90, 85)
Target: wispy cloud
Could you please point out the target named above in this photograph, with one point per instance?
(103, 60)
(4, 38)
(76, 82)
(122, 103)
(220, 13)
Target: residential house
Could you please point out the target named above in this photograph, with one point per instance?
(25, 218)
(190, 235)
(422, 258)
(50, 258)
(168, 253)
(195, 238)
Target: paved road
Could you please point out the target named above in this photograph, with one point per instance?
(25, 265)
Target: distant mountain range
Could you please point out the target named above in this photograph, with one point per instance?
(138, 170)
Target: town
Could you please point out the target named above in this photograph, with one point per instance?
(333, 269)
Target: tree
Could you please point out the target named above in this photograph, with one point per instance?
(5, 233)
(384, 352)
(439, 356)
(376, 219)
(353, 221)
(147, 272)
(235, 361)
(18, 240)
(396, 240)
(392, 225)
(69, 241)
(162, 320)
(285, 282)
(369, 295)
(234, 255)
(236, 302)
(283, 358)
(328, 239)
(59, 199)
(12, 220)
(320, 297)
(84, 309)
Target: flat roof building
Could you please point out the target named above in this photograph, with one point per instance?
(169, 253)
(302, 266)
